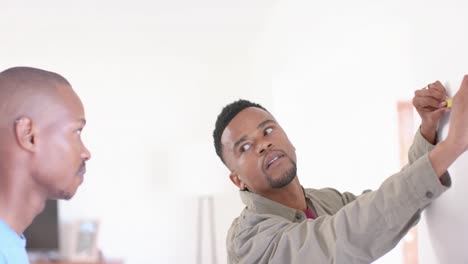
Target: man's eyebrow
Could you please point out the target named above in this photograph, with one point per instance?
(264, 123)
(238, 142)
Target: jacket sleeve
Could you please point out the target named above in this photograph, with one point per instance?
(360, 232)
(419, 147)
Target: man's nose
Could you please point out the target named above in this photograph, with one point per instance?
(86, 154)
(262, 147)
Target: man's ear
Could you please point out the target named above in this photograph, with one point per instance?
(24, 133)
(237, 181)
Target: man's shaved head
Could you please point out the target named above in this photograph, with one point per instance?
(42, 155)
(24, 90)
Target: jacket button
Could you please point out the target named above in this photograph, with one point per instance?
(429, 194)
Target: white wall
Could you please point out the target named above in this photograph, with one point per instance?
(153, 75)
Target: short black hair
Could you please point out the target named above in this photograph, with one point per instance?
(224, 118)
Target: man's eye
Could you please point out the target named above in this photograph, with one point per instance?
(267, 131)
(245, 147)
(78, 132)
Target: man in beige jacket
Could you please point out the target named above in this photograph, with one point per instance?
(285, 223)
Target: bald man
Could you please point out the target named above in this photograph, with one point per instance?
(42, 155)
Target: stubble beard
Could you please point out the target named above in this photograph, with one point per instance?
(285, 179)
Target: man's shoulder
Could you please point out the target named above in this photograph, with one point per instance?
(248, 219)
(2, 257)
(250, 227)
(329, 198)
(323, 192)
(13, 254)
(249, 223)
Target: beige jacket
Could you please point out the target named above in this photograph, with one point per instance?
(348, 229)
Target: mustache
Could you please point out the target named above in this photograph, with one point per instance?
(82, 168)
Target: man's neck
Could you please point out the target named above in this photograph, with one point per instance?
(18, 205)
(291, 196)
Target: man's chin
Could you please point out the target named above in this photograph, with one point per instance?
(282, 175)
(64, 194)
(68, 196)
(81, 179)
(284, 180)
